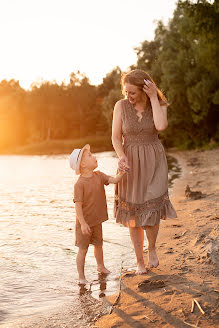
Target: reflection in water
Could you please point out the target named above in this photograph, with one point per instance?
(83, 289)
(37, 263)
(100, 283)
(102, 280)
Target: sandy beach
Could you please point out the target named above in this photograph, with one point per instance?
(188, 250)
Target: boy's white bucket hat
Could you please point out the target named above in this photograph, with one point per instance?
(75, 158)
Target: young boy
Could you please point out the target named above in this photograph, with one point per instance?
(90, 206)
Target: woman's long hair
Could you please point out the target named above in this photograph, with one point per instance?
(136, 77)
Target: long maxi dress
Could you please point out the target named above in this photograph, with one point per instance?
(141, 197)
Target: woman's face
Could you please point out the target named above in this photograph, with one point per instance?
(133, 94)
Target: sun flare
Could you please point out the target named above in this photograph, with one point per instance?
(49, 40)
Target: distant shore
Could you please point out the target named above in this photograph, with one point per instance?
(65, 146)
(57, 147)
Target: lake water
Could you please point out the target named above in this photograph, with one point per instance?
(37, 252)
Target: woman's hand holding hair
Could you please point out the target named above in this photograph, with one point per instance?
(150, 89)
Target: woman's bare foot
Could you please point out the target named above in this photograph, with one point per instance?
(102, 269)
(153, 261)
(141, 269)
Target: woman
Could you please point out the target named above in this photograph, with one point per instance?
(141, 198)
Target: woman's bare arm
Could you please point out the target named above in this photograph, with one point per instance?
(159, 111)
(159, 114)
(117, 130)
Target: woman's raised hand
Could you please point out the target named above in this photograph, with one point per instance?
(123, 163)
(150, 89)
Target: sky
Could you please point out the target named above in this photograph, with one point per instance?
(49, 39)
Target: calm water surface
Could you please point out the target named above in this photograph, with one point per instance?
(37, 252)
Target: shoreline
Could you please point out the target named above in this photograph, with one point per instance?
(162, 297)
(61, 147)
(98, 143)
(188, 250)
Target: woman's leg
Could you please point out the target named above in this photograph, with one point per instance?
(151, 232)
(137, 237)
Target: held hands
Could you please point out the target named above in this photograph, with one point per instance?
(122, 172)
(85, 229)
(123, 164)
(150, 89)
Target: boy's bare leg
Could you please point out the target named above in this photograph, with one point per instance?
(98, 253)
(152, 233)
(80, 261)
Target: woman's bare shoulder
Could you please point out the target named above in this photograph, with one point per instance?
(120, 104)
(122, 101)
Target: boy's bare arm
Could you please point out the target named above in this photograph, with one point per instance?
(79, 213)
(117, 178)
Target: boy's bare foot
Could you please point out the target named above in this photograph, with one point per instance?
(83, 281)
(141, 269)
(153, 261)
(102, 269)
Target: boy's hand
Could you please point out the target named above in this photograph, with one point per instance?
(85, 229)
(121, 172)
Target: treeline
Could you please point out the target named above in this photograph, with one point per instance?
(50, 111)
(182, 60)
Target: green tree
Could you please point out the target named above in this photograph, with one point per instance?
(110, 92)
(183, 61)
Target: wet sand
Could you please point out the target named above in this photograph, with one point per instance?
(188, 249)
